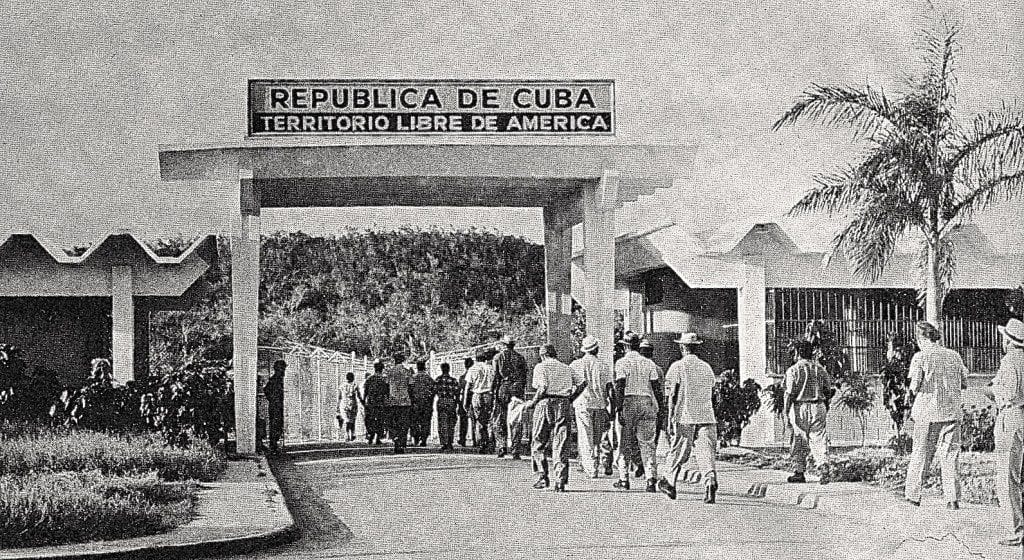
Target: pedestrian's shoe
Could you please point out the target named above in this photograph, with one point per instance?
(594, 474)
(953, 505)
(710, 491)
(541, 483)
(559, 487)
(652, 485)
(517, 457)
(640, 471)
(1012, 541)
(608, 469)
(916, 503)
(797, 477)
(621, 484)
(667, 489)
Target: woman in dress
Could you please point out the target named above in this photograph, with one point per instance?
(348, 406)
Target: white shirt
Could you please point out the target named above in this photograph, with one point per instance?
(937, 377)
(554, 378)
(638, 372)
(696, 382)
(597, 375)
(480, 378)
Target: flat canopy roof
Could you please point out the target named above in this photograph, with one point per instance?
(417, 174)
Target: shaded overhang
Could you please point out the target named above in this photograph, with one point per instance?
(32, 266)
(390, 174)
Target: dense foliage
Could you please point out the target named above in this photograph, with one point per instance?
(372, 293)
(734, 404)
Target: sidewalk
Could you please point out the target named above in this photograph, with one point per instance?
(928, 531)
(242, 512)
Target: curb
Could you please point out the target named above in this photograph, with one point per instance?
(242, 544)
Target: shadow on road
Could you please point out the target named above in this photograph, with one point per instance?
(319, 529)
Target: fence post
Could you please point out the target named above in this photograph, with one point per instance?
(433, 363)
(319, 401)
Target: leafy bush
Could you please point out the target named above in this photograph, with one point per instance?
(977, 430)
(858, 397)
(42, 450)
(101, 404)
(66, 507)
(190, 404)
(25, 393)
(896, 388)
(734, 405)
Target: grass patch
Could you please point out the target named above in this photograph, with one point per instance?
(61, 487)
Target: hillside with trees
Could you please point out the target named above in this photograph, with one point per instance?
(369, 292)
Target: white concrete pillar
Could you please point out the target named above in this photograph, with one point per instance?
(751, 314)
(557, 281)
(599, 203)
(245, 291)
(122, 313)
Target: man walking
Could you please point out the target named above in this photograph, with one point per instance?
(421, 391)
(479, 384)
(636, 383)
(692, 426)
(466, 423)
(591, 408)
(274, 391)
(509, 382)
(1008, 393)
(805, 405)
(557, 386)
(399, 402)
(647, 351)
(937, 378)
(375, 401)
(448, 394)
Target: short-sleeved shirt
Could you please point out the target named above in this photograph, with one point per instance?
(447, 389)
(398, 378)
(480, 378)
(348, 396)
(597, 375)
(421, 389)
(696, 381)
(510, 373)
(937, 377)
(1008, 384)
(638, 372)
(555, 379)
(807, 381)
(375, 390)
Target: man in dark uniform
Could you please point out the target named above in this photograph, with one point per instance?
(375, 395)
(399, 402)
(509, 381)
(274, 390)
(448, 393)
(421, 391)
(466, 420)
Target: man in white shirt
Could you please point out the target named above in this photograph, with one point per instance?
(1008, 393)
(479, 392)
(937, 378)
(636, 384)
(592, 405)
(557, 387)
(690, 382)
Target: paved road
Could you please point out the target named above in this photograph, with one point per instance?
(428, 506)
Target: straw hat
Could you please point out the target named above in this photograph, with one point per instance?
(589, 343)
(689, 338)
(1014, 332)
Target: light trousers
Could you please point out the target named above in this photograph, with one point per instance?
(1009, 455)
(639, 420)
(808, 422)
(931, 439)
(551, 419)
(699, 439)
(591, 425)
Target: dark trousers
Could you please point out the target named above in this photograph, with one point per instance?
(499, 426)
(422, 414)
(482, 405)
(463, 425)
(399, 425)
(276, 411)
(373, 416)
(446, 417)
(551, 419)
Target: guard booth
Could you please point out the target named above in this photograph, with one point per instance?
(583, 182)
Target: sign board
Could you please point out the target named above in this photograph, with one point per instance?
(341, 107)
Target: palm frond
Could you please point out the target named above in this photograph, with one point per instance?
(867, 111)
(945, 257)
(870, 239)
(988, 162)
(996, 132)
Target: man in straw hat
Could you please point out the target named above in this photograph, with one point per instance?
(636, 385)
(591, 407)
(938, 377)
(691, 420)
(557, 387)
(509, 383)
(1007, 390)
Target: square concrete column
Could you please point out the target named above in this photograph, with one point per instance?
(599, 201)
(752, 315)
(557, 281)
(122, 313)
(245, 291)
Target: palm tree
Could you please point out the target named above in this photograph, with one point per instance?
(924, 172)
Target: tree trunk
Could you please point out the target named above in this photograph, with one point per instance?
(933, 299)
